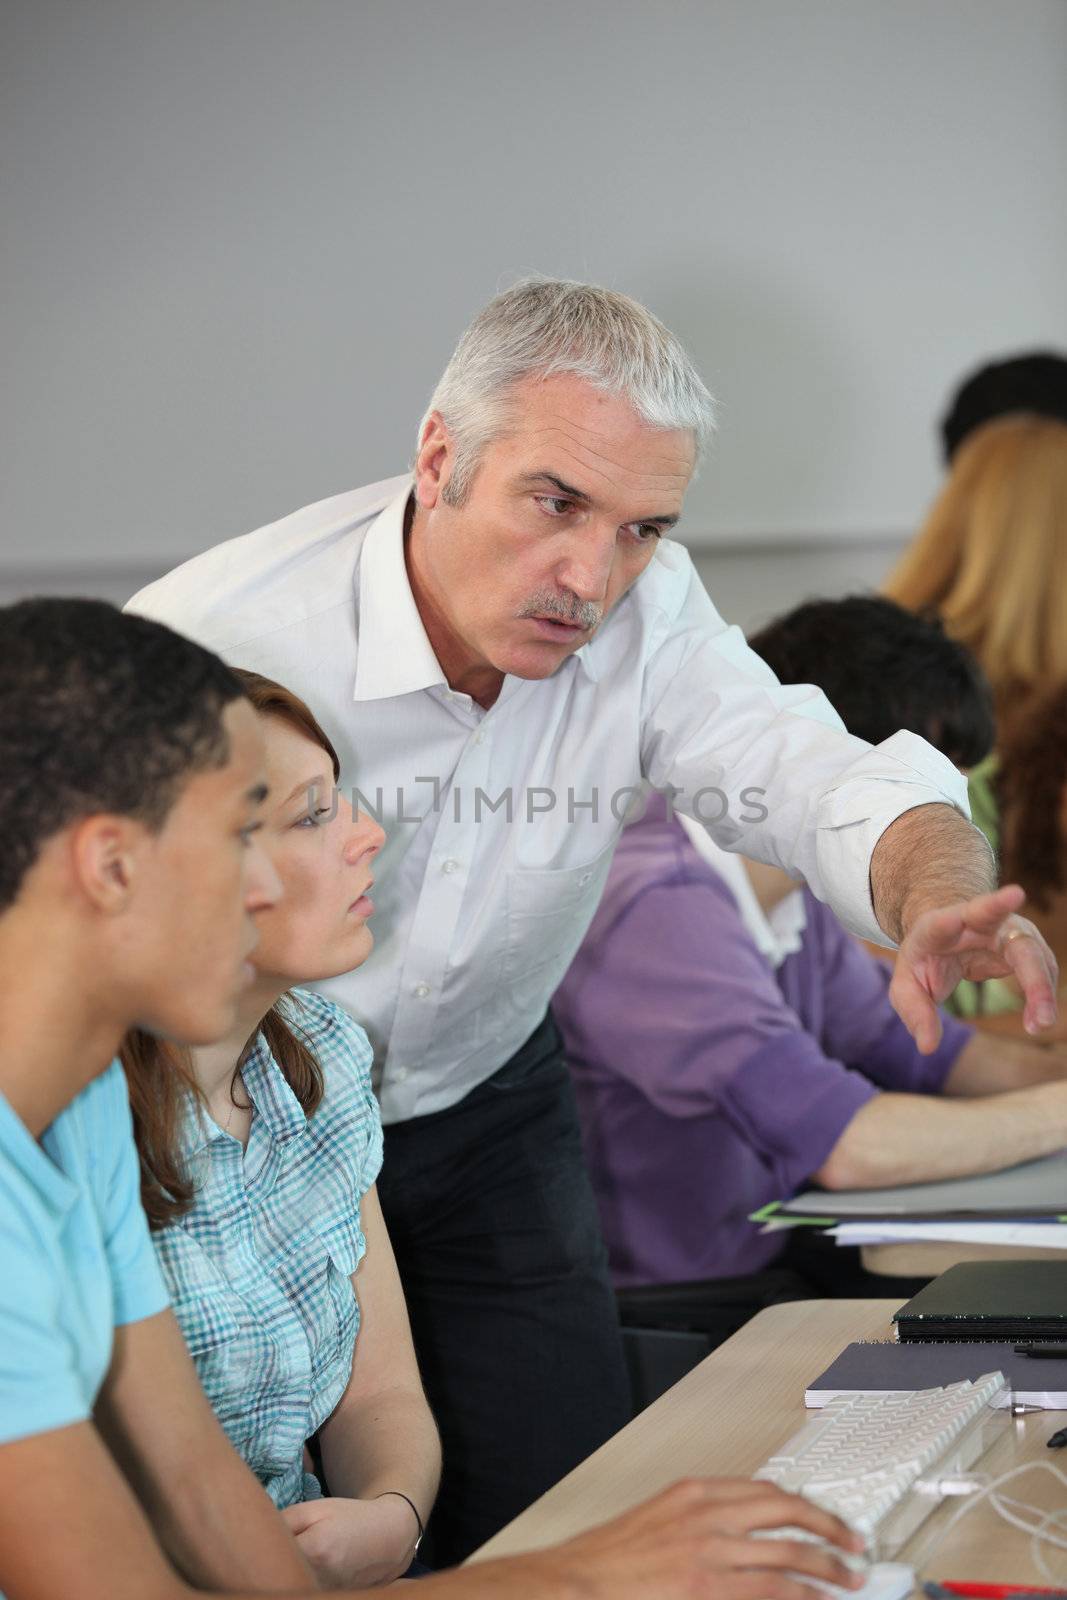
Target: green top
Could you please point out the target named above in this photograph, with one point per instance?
(994, 995)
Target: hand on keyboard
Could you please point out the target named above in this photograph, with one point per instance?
(700, 1538)
(855, 1562)
(877, 1459)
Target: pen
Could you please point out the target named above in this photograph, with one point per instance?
(1042, 1352)
(987, 1591)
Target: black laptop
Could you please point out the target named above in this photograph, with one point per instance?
(1024, 1301)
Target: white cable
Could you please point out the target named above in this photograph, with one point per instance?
(1038, 1530)
(1035, 1543)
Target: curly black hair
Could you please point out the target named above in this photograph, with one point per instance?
(99, 712)
(883, 669)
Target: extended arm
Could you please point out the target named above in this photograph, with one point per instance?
(211, 1516)
(874, 831)
(69, 1525)
(913, 1138)
(380, 1437)
(1009, 1025)
(987, 1105)
(933, 888)
(929, 857)
(988, 1065)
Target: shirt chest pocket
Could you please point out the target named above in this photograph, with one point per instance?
(317, 1286)
(547, 914)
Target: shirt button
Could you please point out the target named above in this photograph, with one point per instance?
(400, 1074)
(479, 738)
(450, 866)
(584, 879)
(421, 990)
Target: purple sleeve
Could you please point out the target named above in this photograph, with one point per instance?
(672, 995)
(860, 1026)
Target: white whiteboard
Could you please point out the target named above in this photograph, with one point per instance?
(242, 236)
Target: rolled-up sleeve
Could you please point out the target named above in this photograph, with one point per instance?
(673, 997)
(769, 769)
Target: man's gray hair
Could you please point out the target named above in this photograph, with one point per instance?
(544, 327)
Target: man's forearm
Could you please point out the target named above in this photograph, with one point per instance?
(988, 1065)
(223, 1532)
(1009, 1025)
(909, 1138)
(928, 858)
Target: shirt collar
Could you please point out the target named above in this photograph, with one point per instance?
(276, 1106)
(268, 1088)
(776, 935)
(584, 655)
(395, 655)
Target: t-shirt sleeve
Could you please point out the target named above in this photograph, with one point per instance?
(39, 1383)
(676, 998)
(138, 1287)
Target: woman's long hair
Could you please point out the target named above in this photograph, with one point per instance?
(159, 1074)
(991, 558)
(1030, 784)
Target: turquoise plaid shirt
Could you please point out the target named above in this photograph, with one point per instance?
(259, 1270)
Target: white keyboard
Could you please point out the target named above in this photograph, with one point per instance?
(883, 1462)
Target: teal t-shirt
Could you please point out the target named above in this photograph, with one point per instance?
(76, 1258)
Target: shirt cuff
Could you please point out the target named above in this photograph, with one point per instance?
(893, 777)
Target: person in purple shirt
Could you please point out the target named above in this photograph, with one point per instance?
(729, 1042)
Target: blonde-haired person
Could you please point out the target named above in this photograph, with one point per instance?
(259, 1159)
(991, 561)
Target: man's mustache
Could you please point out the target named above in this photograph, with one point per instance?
(579, 613)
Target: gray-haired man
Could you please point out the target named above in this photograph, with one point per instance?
(501, 647)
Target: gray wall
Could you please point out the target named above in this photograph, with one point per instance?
(241, 237)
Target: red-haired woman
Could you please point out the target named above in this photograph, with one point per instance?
(259, 1157)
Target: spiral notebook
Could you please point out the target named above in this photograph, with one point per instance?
(1024, 1301)
(900, 1368)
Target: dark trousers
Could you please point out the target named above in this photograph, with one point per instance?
(498, 1243)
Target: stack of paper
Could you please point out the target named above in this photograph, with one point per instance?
(1048, 1235)
(1023, 1206)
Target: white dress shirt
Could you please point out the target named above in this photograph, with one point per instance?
(477, 916)
(776, 933)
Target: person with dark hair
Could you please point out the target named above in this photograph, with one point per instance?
(729, 1042)
(131, 778)
(883, 668)
(131, 782)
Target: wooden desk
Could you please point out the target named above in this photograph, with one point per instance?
(925, 1258)
(727, 1416)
